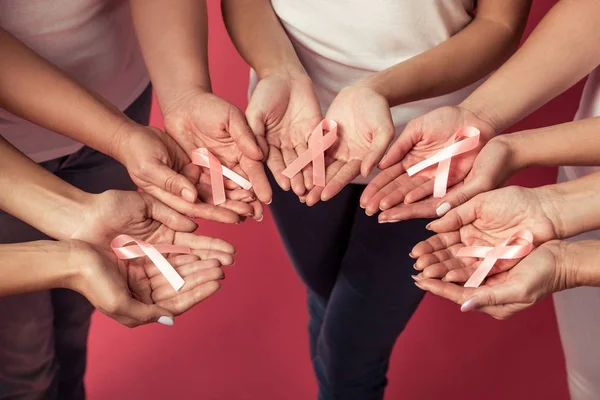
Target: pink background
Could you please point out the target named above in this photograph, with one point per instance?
(249, 341)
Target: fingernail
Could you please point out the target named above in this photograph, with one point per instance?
(412, 255)
(261, 218)
(390, 221)
(270, 201)
(415, 266)
(361, 206)
(302, 200)
(442, 209)
(416, 277)
(168, 321)
(469, 305)
(417, 284)
(369, 213)
(188, 195)
(428, 226)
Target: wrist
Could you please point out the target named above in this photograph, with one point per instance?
(481, 113)
(120, 140)
(179, 95)
(516, 160)
(290, 70)
(77, 267)
(553, 207)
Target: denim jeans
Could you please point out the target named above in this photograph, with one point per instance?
(43, 335)
(360, 293)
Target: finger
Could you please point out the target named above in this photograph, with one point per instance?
(382, 180)
(441, 270)
(184, 301)
(381, 140)
(405, 142)
(243, 136)
(346, 174)
(397, 190)
(255, 170)
(163, 177)
(240, 195)
(436, 257)
(314, 196)
(403, 212)
(222, 257)
(143, 313)
(258, 210)
(460, 194)
(176, 261)
(192, 281)
(435, 243)
(456, 218)
(184, 271)
(420, 192)
(167, 216)
(194, 210)
(297, 181)
(488, 296)
(276, 164)
(198, 242)
(240, 208)
(450, 291)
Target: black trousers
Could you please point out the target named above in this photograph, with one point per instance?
(360, 293)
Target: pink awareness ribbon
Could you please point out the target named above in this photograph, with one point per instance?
(442, 158)
(317, 144)
(492, 254)
(204, 158)
(142, 248)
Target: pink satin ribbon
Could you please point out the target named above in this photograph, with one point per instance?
(442, 158)
(206, 159)
(492, 254)
(142, 248)
(317, 144)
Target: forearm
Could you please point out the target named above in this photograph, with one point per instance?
(34, 89)
(561, 51)
(259, 37)
(173, 36)
(466, 57)
(572, 206)
(37, 197)
(33, 266)
(581, 262)
(572, 143)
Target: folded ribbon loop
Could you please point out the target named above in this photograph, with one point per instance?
(317, 144)
(442, 158)
(143, 248)
(492, 254)
(206, 159)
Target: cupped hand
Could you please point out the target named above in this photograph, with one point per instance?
(134, 292)
(282, 112)
(539, 274)
(197, 118)
(486, 220)
(141, 216)
(492, 167)
(365, 129)
(422, 138)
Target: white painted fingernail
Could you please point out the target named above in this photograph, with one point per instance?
(443, 209)
(168, 321)
(261, 218)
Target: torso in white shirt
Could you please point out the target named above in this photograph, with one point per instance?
(341, 41)
(93, 41)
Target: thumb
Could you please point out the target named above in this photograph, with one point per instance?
(455, 219)
(461, 194)
(146, 313)
(497, 295)
(400, 148)
(381, 140)
(242, 135)
(257, 125)
(165, 178)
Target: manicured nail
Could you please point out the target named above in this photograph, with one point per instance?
(188, 195)
(390, 221)
(412, 255)
(417, 284)
(369, 213)
(469, 305)
(415, 266)
(416, 277)
(261, 218)
(302, 200)
(362, 206)
(270, 201)
(442, 209)
(428, 226)
(168, 321)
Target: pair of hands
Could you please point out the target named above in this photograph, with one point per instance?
(487, 220)
(134, 292)
(159, 163)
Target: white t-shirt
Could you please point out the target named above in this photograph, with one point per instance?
(341, 41)
(93, 41)
(589, 107)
